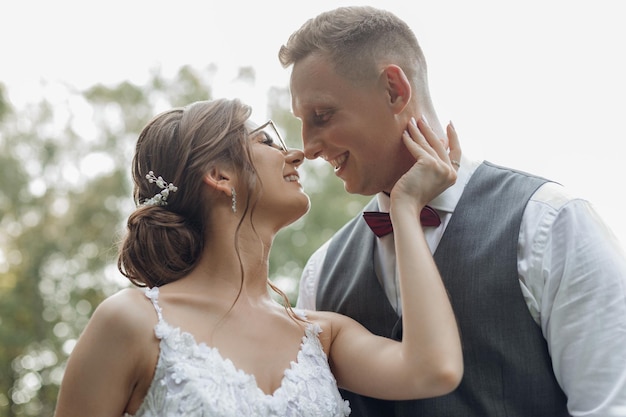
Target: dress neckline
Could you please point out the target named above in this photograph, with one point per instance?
(311, 332)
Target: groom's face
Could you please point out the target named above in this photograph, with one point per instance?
(351, 125)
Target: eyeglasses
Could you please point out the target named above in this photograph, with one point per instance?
(271, 132)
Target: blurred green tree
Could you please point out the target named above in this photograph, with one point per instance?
(64, 198)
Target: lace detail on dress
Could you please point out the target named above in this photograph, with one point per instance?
(194, 380)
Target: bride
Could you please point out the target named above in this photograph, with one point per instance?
(206, 338)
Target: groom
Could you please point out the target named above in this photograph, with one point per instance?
(537, 281)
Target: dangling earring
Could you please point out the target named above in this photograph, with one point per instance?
(234, 194)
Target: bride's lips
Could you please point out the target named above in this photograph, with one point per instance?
(292, 177)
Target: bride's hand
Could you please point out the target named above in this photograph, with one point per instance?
(434, 169)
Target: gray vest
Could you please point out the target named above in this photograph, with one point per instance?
(508, 371)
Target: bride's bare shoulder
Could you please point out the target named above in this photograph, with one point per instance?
(126, 311)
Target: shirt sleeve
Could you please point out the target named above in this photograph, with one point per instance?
(310, 278)
(573, 275)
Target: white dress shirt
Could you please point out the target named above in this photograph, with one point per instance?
(572, 274)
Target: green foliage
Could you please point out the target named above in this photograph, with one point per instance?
(64, 198)
(5, 107)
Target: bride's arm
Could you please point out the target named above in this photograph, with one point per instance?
(110, 358)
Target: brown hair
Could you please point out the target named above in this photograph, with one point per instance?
(357, 40)
(164, 243)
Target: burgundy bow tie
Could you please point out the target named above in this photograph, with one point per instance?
(380, 223)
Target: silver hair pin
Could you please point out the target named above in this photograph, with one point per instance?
(160, 198)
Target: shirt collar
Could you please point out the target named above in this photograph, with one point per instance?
(447, 200)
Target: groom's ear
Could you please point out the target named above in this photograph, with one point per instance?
(397, 86)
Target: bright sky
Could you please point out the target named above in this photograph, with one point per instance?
(538, 85)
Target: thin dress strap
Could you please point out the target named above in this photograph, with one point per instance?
(153, 295)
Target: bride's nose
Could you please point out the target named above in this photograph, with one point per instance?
(294, 157)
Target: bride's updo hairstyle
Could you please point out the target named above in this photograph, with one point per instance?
(164, 240)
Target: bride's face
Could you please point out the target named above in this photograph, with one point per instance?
(282, 198)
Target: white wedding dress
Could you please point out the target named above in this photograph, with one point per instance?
(193, 380)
